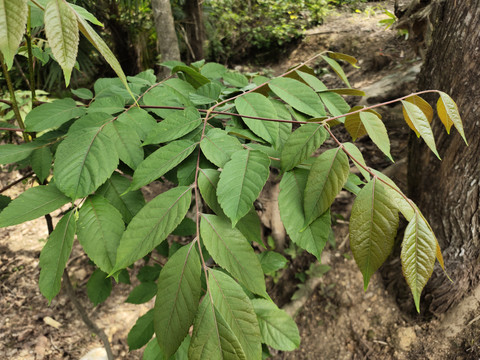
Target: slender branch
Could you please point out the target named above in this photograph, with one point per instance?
(19, 67)
(13, 99)
(28, 37)
(11, 129)
(26, 176)
(6, 102)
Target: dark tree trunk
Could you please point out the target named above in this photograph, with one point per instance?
(448, 191)
(195, 31)
(167, 41)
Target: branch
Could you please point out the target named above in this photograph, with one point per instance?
(5, 188)
(11, 129)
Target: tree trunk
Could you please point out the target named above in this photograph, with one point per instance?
(167, 42)
(448, 191)
(194, 29)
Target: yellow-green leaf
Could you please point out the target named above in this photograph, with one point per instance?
(13, 18)
(419, 248)
(61, 28)
(420, 122)
(103, 48)
(373, 227)
(448, 113)
(424, 106)
(348, 58)
(377, 131)
(337, 69)
(354, 125)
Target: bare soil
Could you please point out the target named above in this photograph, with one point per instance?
(337, 319)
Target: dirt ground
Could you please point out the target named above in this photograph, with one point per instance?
(336, 318)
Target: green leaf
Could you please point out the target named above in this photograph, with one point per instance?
(348, 58)
(424, 106)
(298, 95)
(272, 261)
(179, 289)
(335, 104)
(128, 204)
(301, 144)
(355, 153)
(174, 126)
(191, 75)
(284, 128)
(241, 181)
(142, 293)
(337, 69)
(376, 130)
(231, 250)
(4, 201)
(41, 161)
(103, 48)
(92, 120)
(138, 119)
(277, 328)
(327, 176)
(52, 115)
(311, 80)
(127, 143)
(448, 114)
(218, 146)
(55, 254)
(237, 310)
(161, 161)
(290, 202)
(10, 153)
(83, 161)
(153, 352)
(99, 287)
(373, 227)
(61, 28)
(212, 337)
(86, 14)
(420, 122)
(255, 104)
(141, 332)
(187, 227)
(112, 104)
(213, 71)
(100, 227)
(152, 224)
(13, 17)
(418, 255)
(31, 204)
(206, 94)
(235, 79)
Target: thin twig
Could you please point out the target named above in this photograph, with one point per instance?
(5, 188)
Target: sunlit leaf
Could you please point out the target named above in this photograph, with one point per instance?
(373, 227)
(420, 122)
(448, 113)
(377, 131)
(418, 253)
(423, 105)
(61, 28)
(337, 69)
(348, 58)
(13, 18)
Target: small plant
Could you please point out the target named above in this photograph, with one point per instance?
(214, 134)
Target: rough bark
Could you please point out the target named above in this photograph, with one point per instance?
(194, 29)
(448, 191)
(167, 42)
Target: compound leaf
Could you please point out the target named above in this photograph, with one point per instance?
(61, 28)
(373, 227)
(55, 254)
(83, 161)
(231, 250)
(301, 144)
(241, 181)
(418, 254)
(327, 176)
(237, 310)
(152, 224)
(277, 328)
(100, 227)
(161, 161)
(178, 294)
(33, 203)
